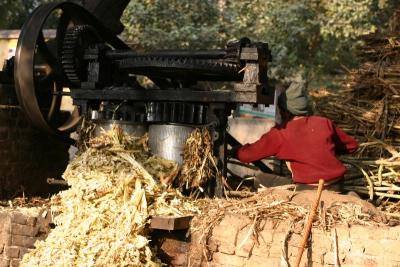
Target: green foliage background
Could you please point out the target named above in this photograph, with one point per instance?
(310, 36)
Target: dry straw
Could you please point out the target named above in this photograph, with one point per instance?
(199, 165)
(367, 106)
(103, 217)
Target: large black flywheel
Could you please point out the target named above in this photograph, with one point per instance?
(38, 73)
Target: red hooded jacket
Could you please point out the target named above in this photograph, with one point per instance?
(310, 144)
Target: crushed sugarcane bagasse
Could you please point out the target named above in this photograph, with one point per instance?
(199, 164)
(102, 217)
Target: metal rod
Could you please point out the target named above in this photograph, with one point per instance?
(53, 181)
(211, 54)
(233, 142)
(239, 163)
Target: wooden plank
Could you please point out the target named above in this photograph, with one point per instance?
(170, 222)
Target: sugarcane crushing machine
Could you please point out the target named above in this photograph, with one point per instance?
(190, 88)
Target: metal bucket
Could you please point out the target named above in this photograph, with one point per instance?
(168, 140)
(131, 128)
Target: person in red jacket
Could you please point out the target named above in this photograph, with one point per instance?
(308, 144)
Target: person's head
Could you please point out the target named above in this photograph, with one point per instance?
(293, 101)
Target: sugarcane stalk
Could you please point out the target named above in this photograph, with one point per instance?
(378, 188)
(366, 192)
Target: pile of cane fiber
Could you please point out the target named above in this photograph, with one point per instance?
(102, 218)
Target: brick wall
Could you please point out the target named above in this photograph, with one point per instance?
(19, 230)
(233, 244)
(27, 157)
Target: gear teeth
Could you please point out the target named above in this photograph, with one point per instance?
(212, 67)
(68, 55)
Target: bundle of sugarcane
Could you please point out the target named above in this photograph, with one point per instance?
(367, 107)
(198, 160)
(103, 217)
(367, 104)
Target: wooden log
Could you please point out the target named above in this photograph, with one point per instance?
(170, 223)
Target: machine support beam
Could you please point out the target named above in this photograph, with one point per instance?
(126, 93)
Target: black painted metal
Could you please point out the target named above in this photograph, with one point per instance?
(205, 54)
(233, 142)
(41, 102)
(127, 93)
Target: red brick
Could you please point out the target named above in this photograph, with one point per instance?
(23, 251)
(210, 264)
(254, 261)
(225, 237)
(393, 233)
(281, 227)
(4, 262)
(23, 241)
(5, 222)
(275, 249)
(295, 240)
(377, 233)
(342, 232)
(321, 243)
(196, 252)
(14, 262)
(344, 247)
(374, 248)
(26, 230)
(233, 220)
(20, 218)
(391, 263)
(278, 237)
(363, 260)
(11, 251)
(269, 262)
(360, 231)
(245, 242)
(224, 245)
(303, 262)
(329, 258)
(179, 259)
(5, 238)
(358, 246)
(265, 236)
(317, 231)
(232, 260)
(391, 249)
(212, 245)
(261, 250)
(269, 225)
(31, 221)
(317, 256)
(292, 251)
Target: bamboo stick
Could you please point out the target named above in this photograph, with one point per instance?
(307, 228)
